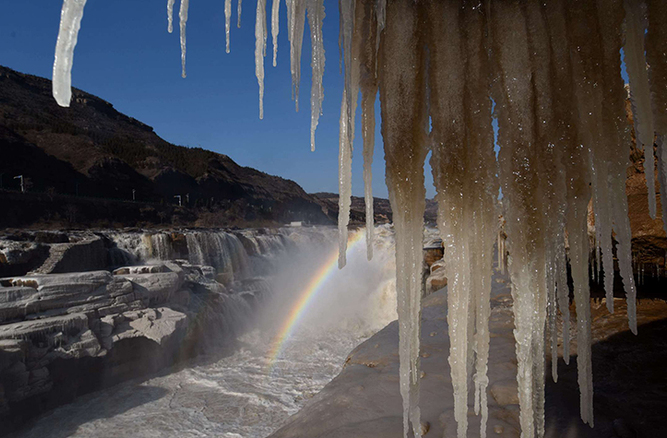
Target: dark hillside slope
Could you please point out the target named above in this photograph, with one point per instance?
(92, 150)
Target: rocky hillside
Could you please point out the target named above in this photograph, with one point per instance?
(92, 150)
(381, 208)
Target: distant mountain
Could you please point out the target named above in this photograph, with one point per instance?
(92, 150)
(381, 208)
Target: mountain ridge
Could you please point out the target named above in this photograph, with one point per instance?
(91, 149)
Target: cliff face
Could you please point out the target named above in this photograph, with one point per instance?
(381, 208)
(90, 149)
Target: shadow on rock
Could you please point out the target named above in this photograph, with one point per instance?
(630, 388)
(119, 399)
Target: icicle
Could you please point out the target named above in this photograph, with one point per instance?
(296, 17)
(70, 23)
(170, 16)
(447, 69)
(366, 53)
(514, 136)
(315, 19)
(238, 13)
(228, 19)
(348, 110)
(183, 19)
(462, 146)
(615, 150)
(656, 55)
(275, 29)
(344, 182)
(260, 51)
(635, 62)
(404, 124)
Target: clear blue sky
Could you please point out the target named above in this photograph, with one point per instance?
(126, 56)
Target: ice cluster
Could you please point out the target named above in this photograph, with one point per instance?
(550, 72)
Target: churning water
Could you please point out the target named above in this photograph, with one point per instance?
(249, 393)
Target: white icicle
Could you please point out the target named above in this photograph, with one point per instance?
(296, 18)
(170, 16)
(228, 19)
(275, 29)
(70, 23)
(315, 20)
(260, 50)
(635, 63)
(405, 120)
(348, 109)
(239, 8)
(344, 182)
(183, 19)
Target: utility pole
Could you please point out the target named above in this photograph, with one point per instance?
(179, 200)
(22, 186)
(134, 197)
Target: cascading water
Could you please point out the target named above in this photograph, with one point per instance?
(253, 391)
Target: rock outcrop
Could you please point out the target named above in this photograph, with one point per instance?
(62, 335)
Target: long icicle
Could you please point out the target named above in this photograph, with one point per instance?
(275, 28)
(447, 86)
(296, 17)
(315, 20)
(404, 125)
(617, 138)
(640, 94)
(239, 9)
(260, 51)
(228, 19)
(348, 110)
(70, 23)
(182, 21)
(483, 185)
(365, 50)
(586, 57)
(344, 182)
(170, 16)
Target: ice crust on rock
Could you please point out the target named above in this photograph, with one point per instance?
(553, 70)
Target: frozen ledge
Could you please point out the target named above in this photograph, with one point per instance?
(364, 400)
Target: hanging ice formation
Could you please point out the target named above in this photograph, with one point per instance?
(260, 51)
(70, 23)
(553, 69)
(182, 21)
(228, 22)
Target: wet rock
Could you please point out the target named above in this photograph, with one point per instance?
(437, 279)
(135, 270)
(87, 254)
(158, 325)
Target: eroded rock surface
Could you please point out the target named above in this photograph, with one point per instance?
(62, 335)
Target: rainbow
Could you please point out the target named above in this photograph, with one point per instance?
(307, 296)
